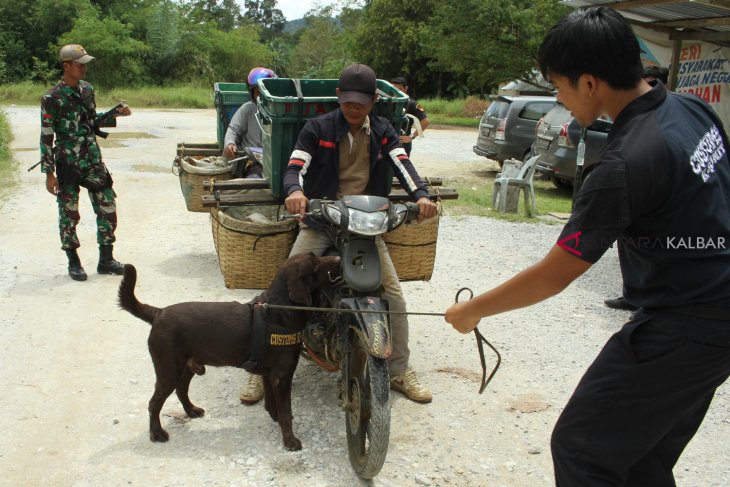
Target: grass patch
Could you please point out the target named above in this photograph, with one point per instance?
(475, 199)
(141, 97)
(8, 175)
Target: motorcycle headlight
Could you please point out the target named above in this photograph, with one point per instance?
(333, 214)
(400, 212)
(365, 223)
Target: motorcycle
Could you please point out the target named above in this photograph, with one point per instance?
(351, 330)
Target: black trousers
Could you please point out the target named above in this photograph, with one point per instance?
(641, 401)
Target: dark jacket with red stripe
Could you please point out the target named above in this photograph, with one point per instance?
(314, 165)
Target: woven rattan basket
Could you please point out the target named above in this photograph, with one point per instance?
(412, 249)
(191, 180)
(250, 253)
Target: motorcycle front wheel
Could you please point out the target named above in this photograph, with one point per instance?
(368, 411)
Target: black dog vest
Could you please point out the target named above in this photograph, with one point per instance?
(266, 335)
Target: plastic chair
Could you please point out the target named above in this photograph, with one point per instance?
(522, 181)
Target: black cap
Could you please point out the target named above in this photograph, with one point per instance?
(399, 81)
(357, 84)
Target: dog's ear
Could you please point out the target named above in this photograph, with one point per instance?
(296, 282)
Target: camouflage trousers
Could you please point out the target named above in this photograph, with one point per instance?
(103, 203)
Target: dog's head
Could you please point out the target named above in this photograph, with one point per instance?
(302, 275)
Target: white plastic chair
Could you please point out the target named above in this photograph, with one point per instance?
(522, 181)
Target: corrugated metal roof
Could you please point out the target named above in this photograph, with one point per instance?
(706, 20)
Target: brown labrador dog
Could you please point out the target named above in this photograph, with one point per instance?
(187, 336)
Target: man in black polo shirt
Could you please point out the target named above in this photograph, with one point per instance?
(661, 189)
(414, 109)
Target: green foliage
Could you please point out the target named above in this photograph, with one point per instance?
(320, 52)
(264, 14)
(232, 54)
(7, 164)
(224, 15)
(390, 39)
(118, 56)
(490, 41)
(444, 49)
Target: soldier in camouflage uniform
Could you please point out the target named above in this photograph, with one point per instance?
(68, 114)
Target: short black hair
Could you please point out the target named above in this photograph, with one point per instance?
(659, 72)
(399, 80)
(596, 41)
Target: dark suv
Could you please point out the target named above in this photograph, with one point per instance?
(556, 138)
(507, 128)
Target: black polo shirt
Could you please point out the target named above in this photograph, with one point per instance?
(661, 189)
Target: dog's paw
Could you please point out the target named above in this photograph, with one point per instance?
(196, 412)
(292, 444)
(160, 436)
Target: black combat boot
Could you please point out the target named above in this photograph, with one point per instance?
(75, 270)
(107, 264)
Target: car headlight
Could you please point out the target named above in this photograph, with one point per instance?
(365, 223)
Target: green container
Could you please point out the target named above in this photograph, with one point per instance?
(283, 112)
(228, 97)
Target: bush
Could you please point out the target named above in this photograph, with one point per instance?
(7, 164)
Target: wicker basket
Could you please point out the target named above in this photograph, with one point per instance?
(251, 253)
(192, 177)
(412, 249)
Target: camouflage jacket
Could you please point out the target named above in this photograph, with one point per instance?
(69, 114)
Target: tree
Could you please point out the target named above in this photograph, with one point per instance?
(490, 41)
(321, 51)
(390, 39)
(118, 56)
(265, 14)
(226, 14)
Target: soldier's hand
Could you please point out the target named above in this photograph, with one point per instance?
(426, 209)
(52, 183)
(123, 111)
(296, 203)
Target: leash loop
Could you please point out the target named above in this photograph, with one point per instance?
(480, 346)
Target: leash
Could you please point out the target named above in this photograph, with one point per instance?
(479, 337)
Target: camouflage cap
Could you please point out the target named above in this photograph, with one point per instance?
(74, 52)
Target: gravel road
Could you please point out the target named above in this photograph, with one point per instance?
(77, 375)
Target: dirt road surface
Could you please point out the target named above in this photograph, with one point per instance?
(77, 376)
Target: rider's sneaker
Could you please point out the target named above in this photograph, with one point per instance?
(253, 391)
(408, 384)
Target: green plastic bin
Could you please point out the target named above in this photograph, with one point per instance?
(228, 97)
(284, 107)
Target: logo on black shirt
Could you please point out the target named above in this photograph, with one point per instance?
(707, 154)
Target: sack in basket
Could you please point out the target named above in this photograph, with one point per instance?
(193, 172)
(251, 244)
(412, 248)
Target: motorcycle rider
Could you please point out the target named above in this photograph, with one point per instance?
(346, 152)
(244, 130)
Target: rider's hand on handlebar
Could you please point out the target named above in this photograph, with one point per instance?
(230, 151)
(296, 203)
(426, 209)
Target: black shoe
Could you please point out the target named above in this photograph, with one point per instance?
(620, 303)
(75, 270)
(107, 264)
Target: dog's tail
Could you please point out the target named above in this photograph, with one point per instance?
(127, 300)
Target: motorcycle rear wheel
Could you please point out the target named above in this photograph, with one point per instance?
(368, 414)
